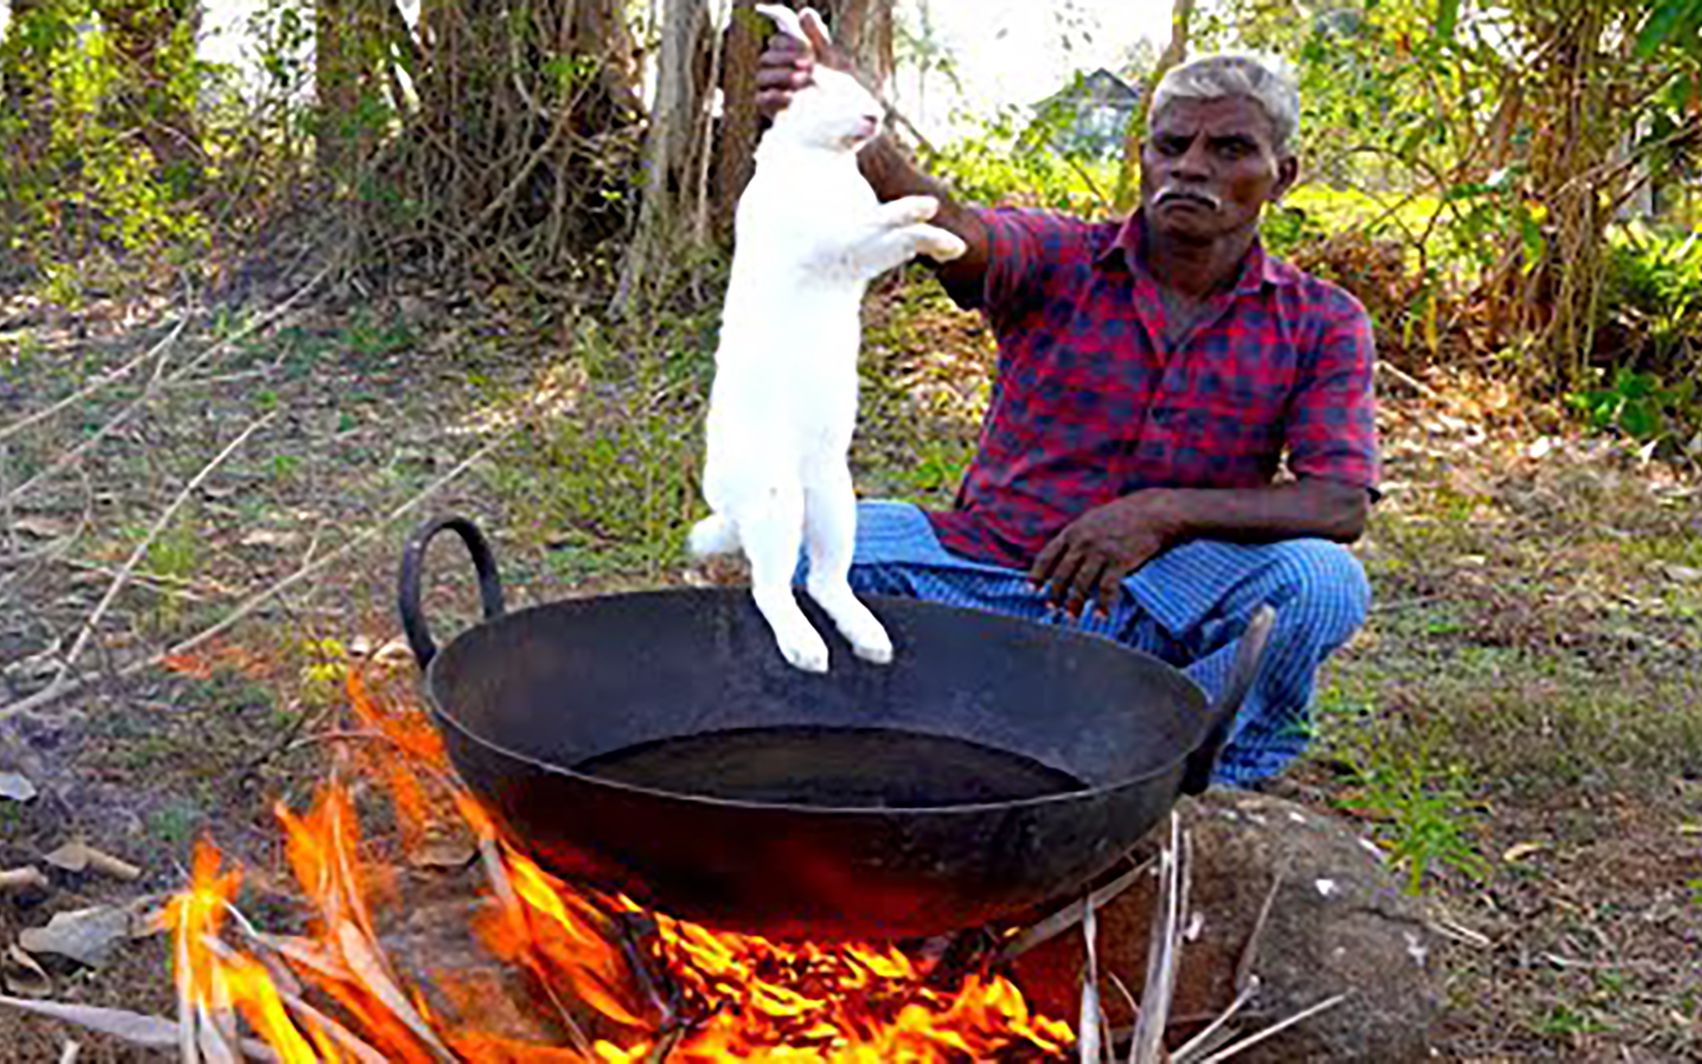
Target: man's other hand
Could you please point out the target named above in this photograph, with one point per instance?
(1088, 560)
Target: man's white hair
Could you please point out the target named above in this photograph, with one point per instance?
(1214, 77)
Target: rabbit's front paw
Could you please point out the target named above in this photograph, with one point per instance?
(909, 210)
(942, 245)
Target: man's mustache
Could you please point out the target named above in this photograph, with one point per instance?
(1197, 195)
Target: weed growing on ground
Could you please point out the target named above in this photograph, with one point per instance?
(1421, 803)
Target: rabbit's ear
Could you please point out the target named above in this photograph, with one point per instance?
(812, 18)
(785, 18)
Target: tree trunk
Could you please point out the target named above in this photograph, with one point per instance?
(1128, 175)
(737, 146)
(671, 157)
(863, 28)
(516, 151)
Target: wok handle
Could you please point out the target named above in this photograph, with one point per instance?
(1248, 656)
(408, 586)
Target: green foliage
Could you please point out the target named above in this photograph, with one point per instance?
(80, 175)
(1563, 1021)
(1642, 407)
(1653, 295)
(125, 152)
(1018, 159)
(324, 671)
(176, 822)
(1670, 21)
(1655, 288)
(1517, 162)
(369, 339)
(1427, 824)
(175, 552)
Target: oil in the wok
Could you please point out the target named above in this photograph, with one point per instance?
(838, 767)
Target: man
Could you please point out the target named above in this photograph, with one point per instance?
(1152, 373)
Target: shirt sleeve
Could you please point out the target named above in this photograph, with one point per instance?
(1332, 418)
(1024, 248)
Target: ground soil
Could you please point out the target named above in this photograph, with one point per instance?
(1519, 724)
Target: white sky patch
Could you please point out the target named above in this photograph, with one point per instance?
(1018, 52)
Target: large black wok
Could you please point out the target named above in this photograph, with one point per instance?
(656, 743)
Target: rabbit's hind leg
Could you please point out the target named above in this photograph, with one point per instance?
(830, 526)
(770, 520)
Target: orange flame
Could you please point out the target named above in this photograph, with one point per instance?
(645, 986)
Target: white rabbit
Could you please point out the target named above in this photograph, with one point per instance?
(809, 235)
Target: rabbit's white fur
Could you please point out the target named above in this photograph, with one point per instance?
(809, 235)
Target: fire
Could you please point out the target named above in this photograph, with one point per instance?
(621, 984)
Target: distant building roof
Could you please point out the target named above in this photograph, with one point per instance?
(1100, 88)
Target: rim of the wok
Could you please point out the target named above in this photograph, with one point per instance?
(738, 803)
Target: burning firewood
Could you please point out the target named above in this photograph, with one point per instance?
(650, 983)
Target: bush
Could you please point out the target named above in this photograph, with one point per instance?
(1654, 289)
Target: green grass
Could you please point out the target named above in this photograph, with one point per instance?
(176, 823)
(1410, 785)
(612, 489)
(176, 552)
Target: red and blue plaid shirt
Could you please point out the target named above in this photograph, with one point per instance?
(1089, 403)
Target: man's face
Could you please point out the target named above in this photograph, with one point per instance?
(1209, 166)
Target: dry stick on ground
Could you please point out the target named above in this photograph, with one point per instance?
(68, 684)
(8, 519)
(160, 380)
(59, 683)
(29, 877)
(1250, 952)
(263, 321)
(292, 1000)
(255, 601)
(1090, 1043)
(29, 563)
(1163, 949)
(196, 588)
(1254, 1039)
(95, 385)
(1070, 915)
(138, 1029)
(1410, 381)
(89, 442)
(1213, 1035)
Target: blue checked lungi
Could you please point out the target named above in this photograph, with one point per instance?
(1188, 607)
